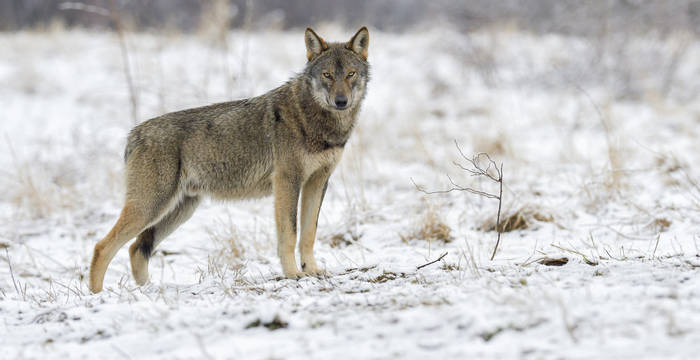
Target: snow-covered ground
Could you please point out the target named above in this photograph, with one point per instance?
(599, 144)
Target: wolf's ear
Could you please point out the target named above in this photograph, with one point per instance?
(314, 44)
(360, 42)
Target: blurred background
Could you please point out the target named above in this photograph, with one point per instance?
(589, 18)
(541, 84)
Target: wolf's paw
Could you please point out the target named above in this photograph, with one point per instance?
(312, 269)
(319, 273)
(294, 275)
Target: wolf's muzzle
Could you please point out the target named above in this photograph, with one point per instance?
(341, 101)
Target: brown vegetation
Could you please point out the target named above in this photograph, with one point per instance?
(431, 227)
(520, 219)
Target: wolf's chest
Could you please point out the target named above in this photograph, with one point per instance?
(313, 161)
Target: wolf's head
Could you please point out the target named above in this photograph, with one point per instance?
(338, 72)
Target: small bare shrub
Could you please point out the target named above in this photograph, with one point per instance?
(479, 168)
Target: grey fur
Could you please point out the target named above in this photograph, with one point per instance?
(240, 150)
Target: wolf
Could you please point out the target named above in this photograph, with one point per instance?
(284, 143)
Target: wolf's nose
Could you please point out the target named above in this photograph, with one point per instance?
(341, 101)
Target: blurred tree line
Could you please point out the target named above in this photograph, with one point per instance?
(576, 17)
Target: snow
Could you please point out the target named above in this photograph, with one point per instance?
(540, 104)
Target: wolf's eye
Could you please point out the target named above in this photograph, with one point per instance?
(327, 75)
(351, 74)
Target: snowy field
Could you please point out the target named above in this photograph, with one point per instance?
(599, 144)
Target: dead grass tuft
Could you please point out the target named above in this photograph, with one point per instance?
(387, 276)
(496, 144)
(430, 228)
(668, 164)
(40, 188)
(362, 269)
(661, 224)
(450, 267)
(273, 325)
(40, 198)
(342, 239)
(554, 261)
(229, 244)
(232, 245)
(520, 219)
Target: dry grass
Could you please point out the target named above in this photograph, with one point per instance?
(431, 228)
(41, 188)
(37, 193)
(561, 261)
(387, 276)
(342, 239)
(494, 144)
(234, 246)
(523, 218)
(660, 225)
(614, 150)
(273, 325)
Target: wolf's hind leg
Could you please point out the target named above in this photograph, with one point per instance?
(311, 199)
(151, 190)
(131, 221)
(142, 249)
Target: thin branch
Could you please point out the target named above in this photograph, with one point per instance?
(133, 96)
(455, 188)
(119, 28)
(432, 262)
(498, 215)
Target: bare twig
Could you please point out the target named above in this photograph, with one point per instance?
(119, 28)
(498, 215)
(477, 169)
(133, 96)
(455, 187)
(432, 262)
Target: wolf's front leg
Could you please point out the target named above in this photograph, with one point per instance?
(311, 200)
(286, 188)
